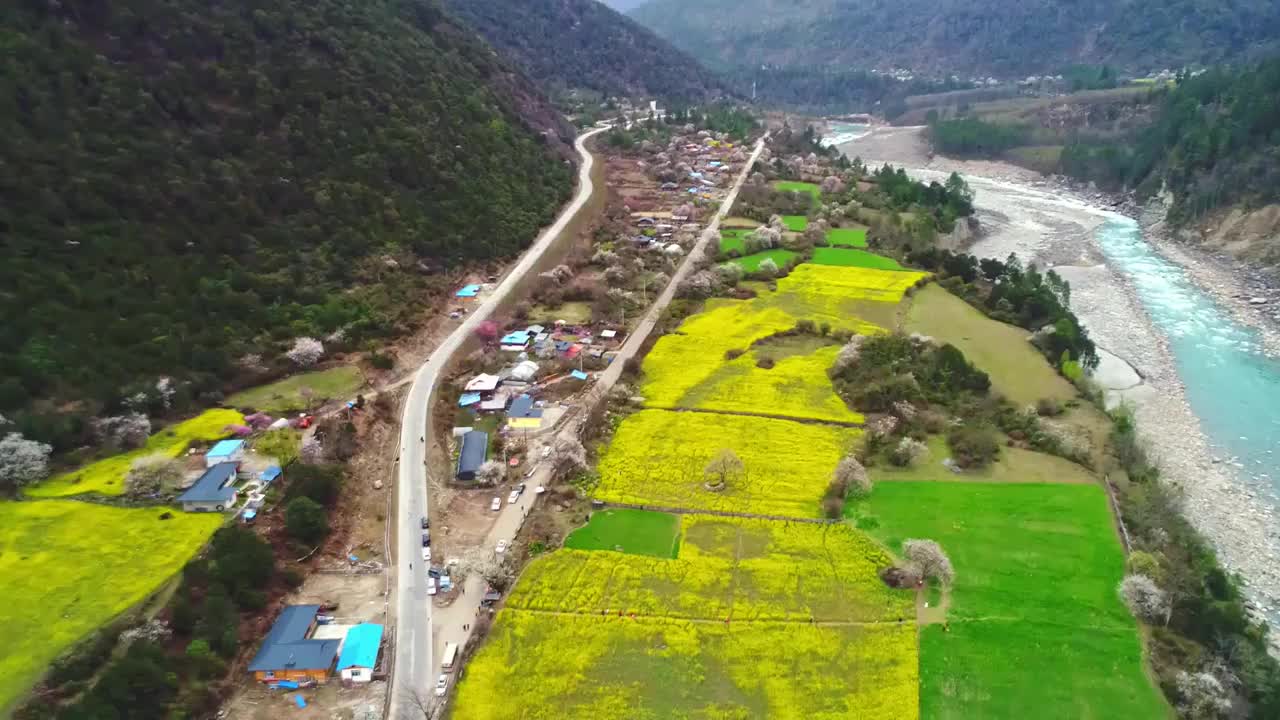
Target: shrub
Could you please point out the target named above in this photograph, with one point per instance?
(1048, 407)
(973, 447)
(305, 519)
(1144, 598)
(852, 478)
(765, 363)
(929, 558)
(907, 452)
(382, 361)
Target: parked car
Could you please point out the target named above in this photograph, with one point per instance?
(426, 554)
(431, 586)
(520, 488)
(501, 548)
(546, 451)
(513, 497)
(540, 489)
(425, 522)
(426, 539)
(530, 473)
(496, 504)
(442, 685)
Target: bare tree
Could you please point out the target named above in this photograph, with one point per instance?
(152, 474)
(907, 452)
(848, 354)
(725, 468)
(306, 351)
(768, 268)
(22, 462)
(490, 566)
(1145, 599)
(929, 557)
(853, 477)
(569, 454)
(1203, 696)
(123, 431)
(491, 472)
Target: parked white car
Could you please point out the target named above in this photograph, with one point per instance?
(513, 497)
(431, 586)
(546, 451)
(426, 554)
(496, 505)
(442, 685)
(501, 548)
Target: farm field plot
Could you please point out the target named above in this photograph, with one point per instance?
(857, 299)
(795, 223)
(338, 383)
(751, 263)
(1035, 597)
(584, 667)
(848, 237)
(795, 186)
(1015, 465)
(638, 532)
(727, 568)
(795, 387)
(850, 257)
(106, 476)
(68, 567)
(658, 457)
(1017, 369)
(739, 222)
(731, 239)
(650, 637)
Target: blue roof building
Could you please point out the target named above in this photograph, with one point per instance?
(516, 338)
(472, 454)
(288, 654)
(213, 491)
(468, 291)
(360, 652)
(224, 451)
(522, 413)
(270, 474)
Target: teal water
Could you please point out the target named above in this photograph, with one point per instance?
(1231, 385)
(842, 132)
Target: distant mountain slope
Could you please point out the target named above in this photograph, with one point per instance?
(623, 5)
(189, 181)
(584, 44)
(1005, 37)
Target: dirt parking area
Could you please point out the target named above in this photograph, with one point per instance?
(331, 701)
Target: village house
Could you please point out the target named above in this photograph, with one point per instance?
(213, 491)
(290, 654)
(472, 454)
(515, 341)
(359, 654)
(224, 451)
(523, 414)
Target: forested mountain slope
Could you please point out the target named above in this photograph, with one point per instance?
(1004, 37)
(183, 182)
(570, 44)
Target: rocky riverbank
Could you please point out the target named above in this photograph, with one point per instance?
(1054, 224)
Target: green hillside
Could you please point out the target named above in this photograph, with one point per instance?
(189, 182)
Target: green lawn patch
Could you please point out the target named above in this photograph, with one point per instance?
(285, 396)
(68, 567)
(733, 239)
(1014, 466)
(636, 532)
(1035, 597)
(751, 263)
(795, 223)
(1016, 368)
(106, 476)
(847, 237)
(804, 187)
(849, 257)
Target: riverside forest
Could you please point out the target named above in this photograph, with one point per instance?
(564, 359)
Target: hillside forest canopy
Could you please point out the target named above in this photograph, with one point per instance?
(189, 183)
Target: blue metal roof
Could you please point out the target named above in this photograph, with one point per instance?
(213, 485)
(468, 291)
(468, 399)
(270, 474)
(578, 375)
(517, 337)
(475, 449)
(522, 407)
(287, 646)
(360, 649)
(225, 448)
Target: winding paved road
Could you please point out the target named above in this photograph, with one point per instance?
(414, 665)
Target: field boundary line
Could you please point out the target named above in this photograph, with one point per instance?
(720, 513)
(767, 416)
(717, 621)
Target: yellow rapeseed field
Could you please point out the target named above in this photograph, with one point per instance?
(795, 387)
(724, 631)
(727, 569)
(106, 476)
(538, 666)
(658, 457)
